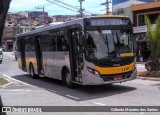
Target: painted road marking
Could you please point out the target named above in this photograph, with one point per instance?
(24, 83)
(102, 104)
(72, 97)
(18, 80)
(20, 90)
(11, 93)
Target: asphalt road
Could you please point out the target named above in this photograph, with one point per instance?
(25, 91)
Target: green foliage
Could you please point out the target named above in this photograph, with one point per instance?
(3, 81)
(154, 41)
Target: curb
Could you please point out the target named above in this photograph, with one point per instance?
(10, 78)
(149, 78)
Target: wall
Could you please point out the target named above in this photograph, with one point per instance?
(126, 12)
(114, 2)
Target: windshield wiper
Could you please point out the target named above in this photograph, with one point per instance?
(103, 37)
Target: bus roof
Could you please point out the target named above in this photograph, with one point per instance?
(109, 16)
(65, 24)
(52, 26)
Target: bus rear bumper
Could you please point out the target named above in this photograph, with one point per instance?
(94, 80)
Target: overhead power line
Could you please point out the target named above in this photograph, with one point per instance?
(45, 5)
(62, 6)
(68, 6)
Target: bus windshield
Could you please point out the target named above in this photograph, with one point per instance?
(108, 44)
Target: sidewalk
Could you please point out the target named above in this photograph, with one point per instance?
(8, 54)
(148, 78)
(141, 66)
(140, 63)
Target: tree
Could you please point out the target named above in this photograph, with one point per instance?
(153, 35)
(4, 6)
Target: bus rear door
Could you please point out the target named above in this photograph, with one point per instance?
(22, 54)
(39, 55)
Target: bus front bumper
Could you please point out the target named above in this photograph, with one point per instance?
(94, 80)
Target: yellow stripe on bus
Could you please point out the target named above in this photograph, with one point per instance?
(31, 59)
(114, 70)
(126, 54)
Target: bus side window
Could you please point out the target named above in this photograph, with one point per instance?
(31, 44)
(59, 43)
(64, 44)
(18, 45)
(26, 46)
(45, 42)
(53, 43)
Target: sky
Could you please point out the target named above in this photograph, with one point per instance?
(92, 6)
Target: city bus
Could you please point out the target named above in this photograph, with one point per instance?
(87, 51)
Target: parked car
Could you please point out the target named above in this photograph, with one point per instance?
(2, 48)
(1, 56)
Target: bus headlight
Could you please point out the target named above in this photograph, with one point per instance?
(94, 72)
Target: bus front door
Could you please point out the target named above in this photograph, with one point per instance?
(75, 55)
(22, 54)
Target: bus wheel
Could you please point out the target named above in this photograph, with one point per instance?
(67, 79)
(32, 72)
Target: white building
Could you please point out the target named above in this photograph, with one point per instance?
(126, 4)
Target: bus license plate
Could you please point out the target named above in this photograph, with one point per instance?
(118, 78)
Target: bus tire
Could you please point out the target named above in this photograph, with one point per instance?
(67, 80)
(32, 72)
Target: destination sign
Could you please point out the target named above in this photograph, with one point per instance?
(110, 21)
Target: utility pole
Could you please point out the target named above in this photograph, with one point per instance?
(107, 6)
(81, 9)
(43, 12)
